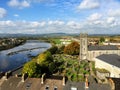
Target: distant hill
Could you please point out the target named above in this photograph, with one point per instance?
(50, 35)
(35, 35)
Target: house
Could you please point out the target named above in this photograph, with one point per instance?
(25, 83)
(47, 83)
(86, 86)
(110, 62)
(65, 41)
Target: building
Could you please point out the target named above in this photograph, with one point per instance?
(47, 83)
(25, 83)
(83, 46)
(89, 52)
(94, 51)
(109, 62)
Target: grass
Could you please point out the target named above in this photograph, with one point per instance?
(56, 41)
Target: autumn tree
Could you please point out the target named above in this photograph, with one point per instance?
(72, 49)
(32, 69)
(44, 58)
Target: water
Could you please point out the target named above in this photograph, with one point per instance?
(17, 56)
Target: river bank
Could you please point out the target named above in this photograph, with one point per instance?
(7, 43)
(17, 56)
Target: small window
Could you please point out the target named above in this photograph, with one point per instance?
(55, 88)
(73, 88)
(28, 85)
(47, 88)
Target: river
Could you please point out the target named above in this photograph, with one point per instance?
(17, 56)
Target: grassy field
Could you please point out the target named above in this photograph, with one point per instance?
(57, 41)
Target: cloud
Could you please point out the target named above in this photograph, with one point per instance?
(36, 24)
(89, 4)
(56, 22)
(16, 15)
(108, 25)
(115, 12)
(74, 25)
(6, 23)
(19, 4)
(3, 12)
(26, 3)
(110, 20)
(36, 1)
(94, 16)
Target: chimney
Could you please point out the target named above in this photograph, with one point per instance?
(24, 76)
(42, 78)
(7, 74)
(63, 80)
(16, 75)
(112, 84)
(86, 83)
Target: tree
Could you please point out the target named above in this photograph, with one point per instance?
(61, 49)
(46, 63)
(72, 49)
(32, 69)
(102, 39)
(44, 59)
(53, 49)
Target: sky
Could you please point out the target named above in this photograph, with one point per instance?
(60, 16)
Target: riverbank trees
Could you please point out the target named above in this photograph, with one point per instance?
(43, 63)
(32, 69)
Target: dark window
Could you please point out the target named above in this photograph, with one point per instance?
(28, 85)
(55, 88)
(47, 88)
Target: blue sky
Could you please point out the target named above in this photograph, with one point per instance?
(56, 16)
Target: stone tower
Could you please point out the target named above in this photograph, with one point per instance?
(83, 46)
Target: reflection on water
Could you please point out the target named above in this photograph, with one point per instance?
(15, 57)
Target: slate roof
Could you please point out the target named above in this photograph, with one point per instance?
(78, 85)
(104, 47)
(81, 86)
(112, 59)
(15, 83)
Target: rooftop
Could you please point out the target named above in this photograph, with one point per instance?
(112, 59)
(81, 86)
(103, 47)
(15, 83)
